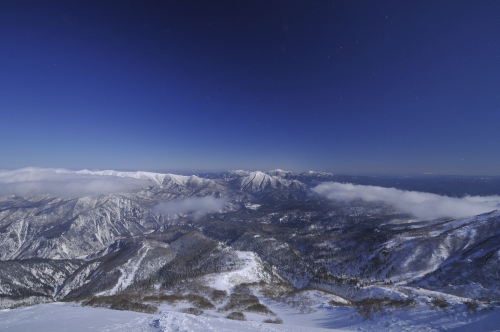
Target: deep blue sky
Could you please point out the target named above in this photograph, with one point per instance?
(339, 86)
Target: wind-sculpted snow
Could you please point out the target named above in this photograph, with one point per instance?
(422, 205)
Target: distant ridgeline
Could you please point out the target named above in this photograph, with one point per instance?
(226, 244)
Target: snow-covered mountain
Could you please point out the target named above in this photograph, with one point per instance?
(259, 181)
(274, 244)
(157, 178)
(59, 228)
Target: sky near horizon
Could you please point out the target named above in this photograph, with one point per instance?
(192, 86)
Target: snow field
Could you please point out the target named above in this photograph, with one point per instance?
(251, 270)
(66, 316)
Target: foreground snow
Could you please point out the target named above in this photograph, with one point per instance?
(64, 317)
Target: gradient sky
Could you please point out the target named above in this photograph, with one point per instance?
(338, 86)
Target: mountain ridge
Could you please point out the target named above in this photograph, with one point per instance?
(271, 239)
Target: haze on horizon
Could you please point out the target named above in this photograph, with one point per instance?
(68, 184)
(337, 86)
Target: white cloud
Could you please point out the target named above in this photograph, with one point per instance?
(420, 204)
(198, 205)
(63, 183)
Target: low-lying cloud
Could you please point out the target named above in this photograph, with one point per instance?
(63, 183)
(420, 204)
(197, 205)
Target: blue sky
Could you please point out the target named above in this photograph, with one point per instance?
(338, 86)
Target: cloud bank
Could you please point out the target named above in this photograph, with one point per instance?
(63, 183)
(420, 204)
(198, 205)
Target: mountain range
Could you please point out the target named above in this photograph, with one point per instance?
(263, 237)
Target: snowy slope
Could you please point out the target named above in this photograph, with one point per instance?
(258, 181)
(157, 178)
(63, 317)
(273, 234)
(56, 228)
(57, 317)
(249, 270)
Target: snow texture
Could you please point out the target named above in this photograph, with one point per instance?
(63, 317)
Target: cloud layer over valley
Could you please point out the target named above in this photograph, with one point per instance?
(420, 204)
(63, 183)
(198, 205)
